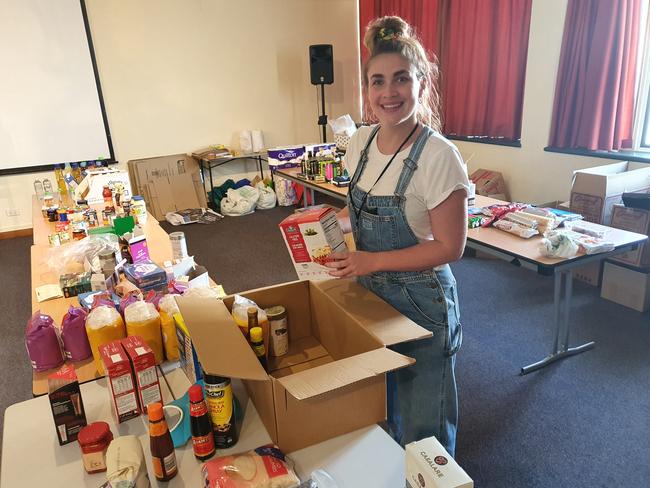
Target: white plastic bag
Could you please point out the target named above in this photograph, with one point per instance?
(240, 201)
(267, 196)
(558, 245)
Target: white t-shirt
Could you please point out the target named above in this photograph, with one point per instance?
(441, 171)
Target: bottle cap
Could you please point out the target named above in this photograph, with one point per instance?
(155, 411)
(196, 393)
(256, 334)
(252, 311)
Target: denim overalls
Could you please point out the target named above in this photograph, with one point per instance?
(422, 399)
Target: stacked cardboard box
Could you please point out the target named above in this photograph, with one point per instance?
(168, 183)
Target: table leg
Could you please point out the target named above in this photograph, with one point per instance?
(259, 165)
(561, 309)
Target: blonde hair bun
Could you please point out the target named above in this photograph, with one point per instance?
(385, 29)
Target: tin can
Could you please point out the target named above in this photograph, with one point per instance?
(278, 330)
(220, 401)
(52, 214)
(62, 215)
(55, 239)
(91, 216)
(179, 246)
(126, 207)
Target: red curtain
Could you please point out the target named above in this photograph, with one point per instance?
(484, 52)
(594, 91)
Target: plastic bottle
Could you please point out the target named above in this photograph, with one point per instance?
(38, 189)
(257, 343)
(202, 435)
(60, 180)
(108, 196)
(162, 447)
(76, 172)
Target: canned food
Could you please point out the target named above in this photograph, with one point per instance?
(278, 330)
(179, 246)
(55, 239)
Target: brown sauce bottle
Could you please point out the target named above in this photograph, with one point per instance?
(162, 447)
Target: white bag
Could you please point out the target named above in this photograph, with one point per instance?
(240, 201)
(267, 196)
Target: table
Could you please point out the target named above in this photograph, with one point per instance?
(525, 252)
(210, 163)
(366, 457)
(340, 193)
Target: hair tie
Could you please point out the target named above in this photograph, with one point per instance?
(387, 34)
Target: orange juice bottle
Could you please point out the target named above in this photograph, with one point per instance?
(143, 319)
(103, 324)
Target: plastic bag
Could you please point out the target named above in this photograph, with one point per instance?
(240, 201)
(104, 324)
(168, 307)
(73, 333)
(558, 245)
(42, 342)
(142, 319)
(267, 196)
(201, 293)
(81, 255)
(286, 192)
(264, 467)
(239, 312)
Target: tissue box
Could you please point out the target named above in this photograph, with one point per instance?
(288, 157)
(429, 465)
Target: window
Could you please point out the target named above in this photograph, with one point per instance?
(642, 115)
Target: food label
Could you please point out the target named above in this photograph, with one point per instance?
(219, 399)
(279, 337)
(163, 467)
(203, 445)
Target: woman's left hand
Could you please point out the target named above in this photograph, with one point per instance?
(349, 264)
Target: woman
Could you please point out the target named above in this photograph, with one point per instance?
(407, 210)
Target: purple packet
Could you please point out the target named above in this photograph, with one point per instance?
(73, 332)
(42, 342)
(128, 300)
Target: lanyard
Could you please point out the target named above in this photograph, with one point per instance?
(365, 197)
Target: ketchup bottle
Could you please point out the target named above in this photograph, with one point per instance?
(202, 435)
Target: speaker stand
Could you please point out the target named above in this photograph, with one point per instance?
(322, 116)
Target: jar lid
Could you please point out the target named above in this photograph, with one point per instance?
(256, 334)
(137, 198)
(94, 433)
(275, 311)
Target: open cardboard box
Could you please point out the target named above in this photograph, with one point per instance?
(332, 381)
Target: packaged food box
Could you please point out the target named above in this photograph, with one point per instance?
(189, 361)
(285, 157)
(429, 465)
(143, 364)
(311, 237)
(66, 404)
(331, 381)
(122, 388)
(146, 275)
(73, 284)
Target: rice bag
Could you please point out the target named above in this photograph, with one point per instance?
(264, 467)
(103, 324)
(167, 307)
(42, 342)
(73, 333)
(143, 319)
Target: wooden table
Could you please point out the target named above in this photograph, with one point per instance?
(340, 193)
(525, 252)
(159, 249)
(367, 457)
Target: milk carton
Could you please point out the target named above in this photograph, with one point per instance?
(311, 236)
(429, 465)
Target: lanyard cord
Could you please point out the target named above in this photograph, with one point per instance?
(365, 197)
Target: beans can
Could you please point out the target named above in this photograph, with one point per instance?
(220, 401)
(278, 330)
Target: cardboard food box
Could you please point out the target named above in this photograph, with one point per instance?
(66, 404)
(589, 273)
(189, 360)
(595, 191)
(626, 287)
(429, 465)
(634, 220)
(332, 380)
(285, 157)
(92, 186)
(143, 364)
(311, 237)
(123, 394)
(489, 184)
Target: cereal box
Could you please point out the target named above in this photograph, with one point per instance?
(311, 236)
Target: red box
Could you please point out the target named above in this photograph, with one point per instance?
(120, 381)
(143, 363)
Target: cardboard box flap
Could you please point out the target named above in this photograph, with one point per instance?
(219, 344)
(376, 316)
(344, 372)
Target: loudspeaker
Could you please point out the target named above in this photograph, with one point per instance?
(320, 64)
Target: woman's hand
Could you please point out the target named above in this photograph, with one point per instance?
(349, 264)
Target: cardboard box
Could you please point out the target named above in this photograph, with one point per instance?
(189, 360)
(595, 191)
(332, 380)
(143, 365)
(634, 220)
(92, 186)
(311, 237)
(490, 184)
(168, 183)
(589, 273)
(626, 287)
(123, 394)
(285, 157)
(429, 465)
(66, 404)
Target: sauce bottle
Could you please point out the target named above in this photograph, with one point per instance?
(108, 196)
(202, 435)
(220, 402)
(257, 343)
(162, 447)
(253, 320)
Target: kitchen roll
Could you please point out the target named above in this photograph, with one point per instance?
(258, 140)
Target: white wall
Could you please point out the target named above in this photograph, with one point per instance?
(531, 174)
(181, 74)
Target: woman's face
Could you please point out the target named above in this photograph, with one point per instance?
(393, 89)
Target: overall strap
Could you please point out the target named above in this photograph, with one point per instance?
(411, 162)
(363, 158)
